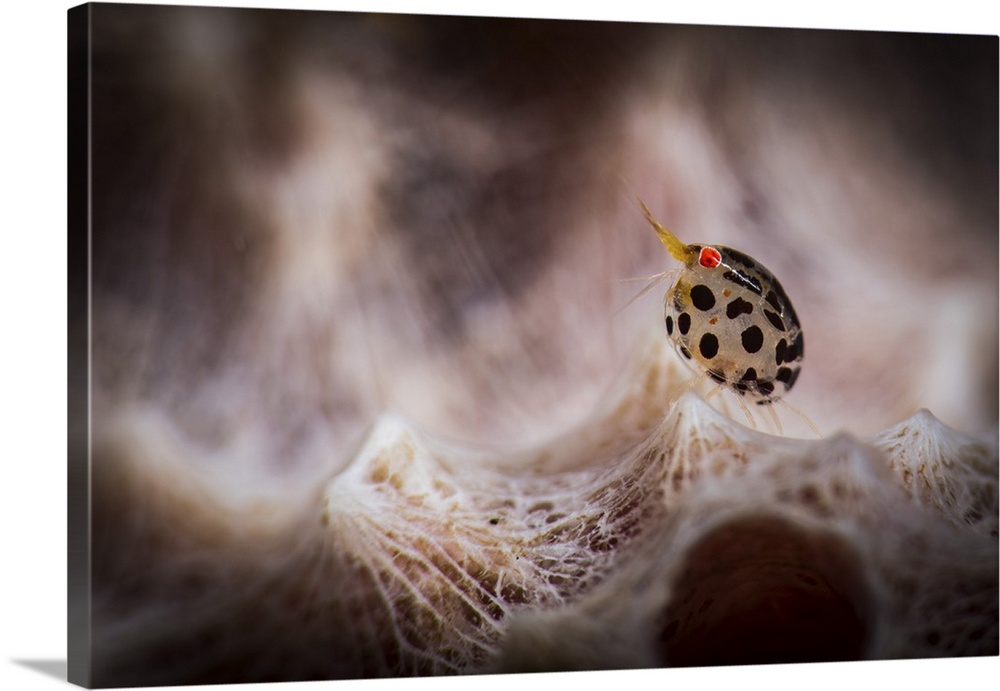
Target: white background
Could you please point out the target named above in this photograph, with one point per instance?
(33, 332)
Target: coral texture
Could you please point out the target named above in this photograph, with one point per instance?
(638, 539)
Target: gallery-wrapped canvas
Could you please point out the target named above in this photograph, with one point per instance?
(362, 382)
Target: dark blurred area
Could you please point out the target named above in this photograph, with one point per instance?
(467, 158)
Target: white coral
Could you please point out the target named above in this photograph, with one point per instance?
(637, 540)
(588, 566)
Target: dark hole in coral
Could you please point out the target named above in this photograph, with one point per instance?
(760, 591)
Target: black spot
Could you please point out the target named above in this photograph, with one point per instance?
(788, 376)
(685, 352)
(702, 297)
(670, 325)
(684, 323)
(795, 375)
(799, 346)
(782, 303)
(739, 258)
(737, 307)
(750, 374)
(717, 376)
(742, 279)
(779, 351)
(790, 354)
(775, 320)
(765, 388)
(794, 351)
(753, 339)
(708, 346)
(772, 300)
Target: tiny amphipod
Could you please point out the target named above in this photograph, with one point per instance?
(730, 316)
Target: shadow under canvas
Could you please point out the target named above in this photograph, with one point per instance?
(52, 668)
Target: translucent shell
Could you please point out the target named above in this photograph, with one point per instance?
(730, 316)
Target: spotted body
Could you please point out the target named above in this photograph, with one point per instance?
(730, 316)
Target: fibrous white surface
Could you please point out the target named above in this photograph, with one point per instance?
(587, 564)
(636, 540)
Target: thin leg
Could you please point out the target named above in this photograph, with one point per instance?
(773, 414)
(746, 411)
(744, 408)
(655, 280)
(802, 416)
(684, 389)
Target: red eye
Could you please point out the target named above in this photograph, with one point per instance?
(709, 257)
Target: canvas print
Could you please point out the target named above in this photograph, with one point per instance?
(410, 345)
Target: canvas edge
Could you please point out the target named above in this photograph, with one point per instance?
(78, 669)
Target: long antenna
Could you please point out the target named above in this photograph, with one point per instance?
(678, 250)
